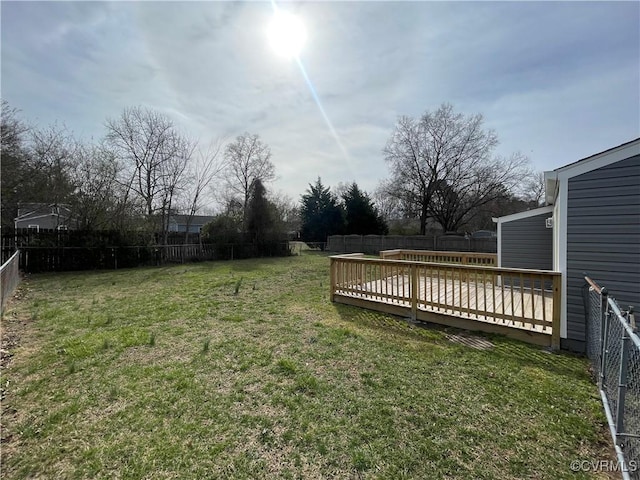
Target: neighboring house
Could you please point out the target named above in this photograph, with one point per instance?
(43, 216)
(178, 223)
(591, 226)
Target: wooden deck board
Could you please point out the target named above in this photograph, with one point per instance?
(470, 298)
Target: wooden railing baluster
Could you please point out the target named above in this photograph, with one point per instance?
(419, 287)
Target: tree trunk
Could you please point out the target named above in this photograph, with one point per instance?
(423, 218)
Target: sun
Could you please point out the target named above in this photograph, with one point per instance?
(287, 34)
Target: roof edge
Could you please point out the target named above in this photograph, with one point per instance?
(525, 214)
(605, 153)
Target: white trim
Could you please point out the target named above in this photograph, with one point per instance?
(553, 178)
(556, 195)
(560, 240)
(24, 219)
(559, 246)
(513, 217)
(525, 214)
(560, 198)
(34, 227)
(499, 246)
(600, 160)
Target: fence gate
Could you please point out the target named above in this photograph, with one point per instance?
(613, 346)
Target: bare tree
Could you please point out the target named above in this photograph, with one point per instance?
(12, 128)
(442, 166)
(532, 188)
(287, 212)
(173, 180)
(386, 201)
(154, 156)
(461, 196)
(13, 153)
(51, 160)
(206, 167)
(96, 196)
(248, 159)
(341, 190)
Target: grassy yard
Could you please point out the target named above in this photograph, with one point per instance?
(244, 369)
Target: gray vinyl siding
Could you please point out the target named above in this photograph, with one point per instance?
(527, 243)
(44, 222)
(603, 237)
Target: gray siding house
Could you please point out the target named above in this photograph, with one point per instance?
(594, 215)
(43, 216)
(178, 223)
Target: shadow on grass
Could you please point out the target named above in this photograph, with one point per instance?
(386, 323)
(504, 349)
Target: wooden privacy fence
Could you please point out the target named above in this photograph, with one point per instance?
(462, 258)
(373, 244)
(524, 304)
(49, 259)
(9, 278)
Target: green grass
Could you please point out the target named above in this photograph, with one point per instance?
(177, 372)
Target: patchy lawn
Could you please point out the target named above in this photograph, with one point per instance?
(245, 370)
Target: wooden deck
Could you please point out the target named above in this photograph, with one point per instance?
(519, 303)
(472, 300)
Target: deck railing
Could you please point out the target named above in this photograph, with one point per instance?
(507, 297)
(461, 258)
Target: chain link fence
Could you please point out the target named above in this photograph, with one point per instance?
(613, 346)
(9, 279)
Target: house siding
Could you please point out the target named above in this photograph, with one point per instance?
(603, 238)
(44, 222)
(178, 223)
(527, 243)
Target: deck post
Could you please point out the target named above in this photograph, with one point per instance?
(414, 291)
(557, 302)
(332, 278)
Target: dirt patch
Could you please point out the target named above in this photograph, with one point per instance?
(10, 340)
(13, 326)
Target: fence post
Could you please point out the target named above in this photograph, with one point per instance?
(622, 384)
(604, 314)
(631, 319)
(555, 319)
(414, 291)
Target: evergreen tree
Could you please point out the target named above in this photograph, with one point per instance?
(260, 216)
(361, 215)
(321, 214)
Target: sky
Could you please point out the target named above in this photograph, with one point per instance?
(557, 81)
